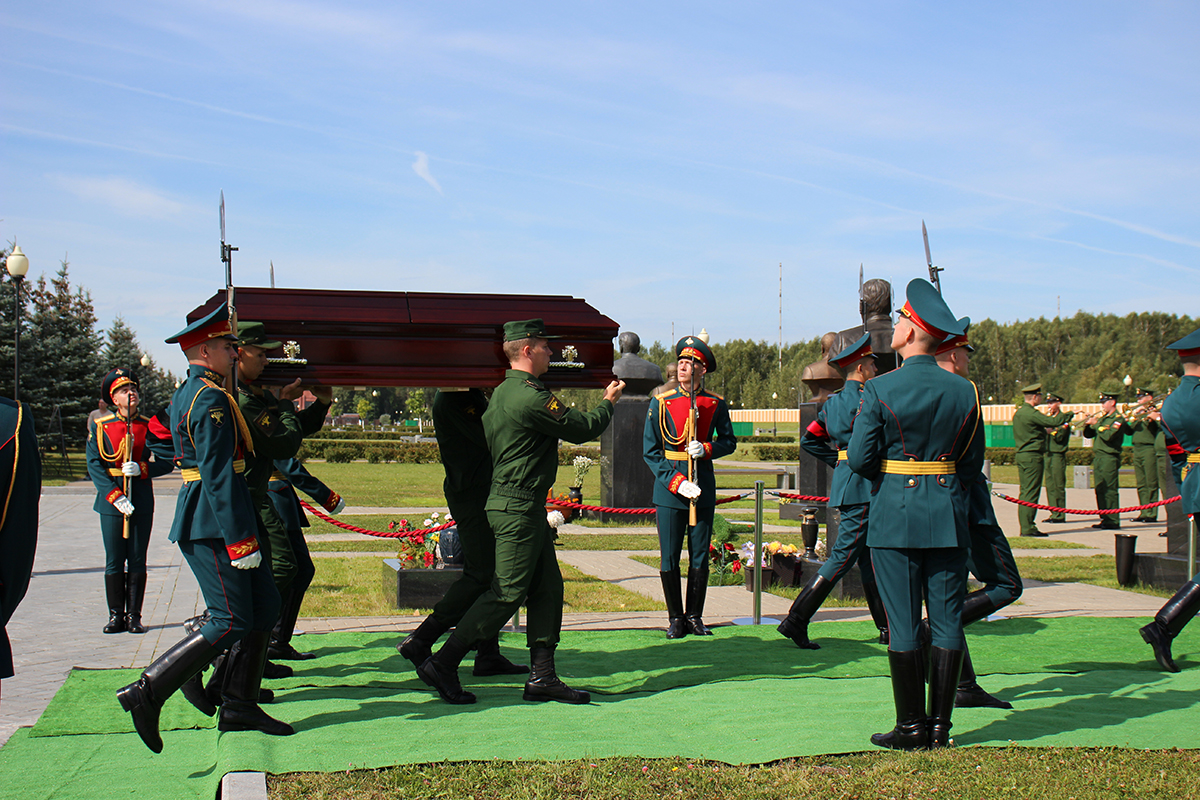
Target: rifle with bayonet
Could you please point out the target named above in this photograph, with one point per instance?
(227, 251)
(933, 271)
(693, 390)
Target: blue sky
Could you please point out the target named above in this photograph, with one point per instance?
(658, 159)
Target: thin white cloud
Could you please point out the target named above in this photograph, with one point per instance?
(121, 195)
(421, 167)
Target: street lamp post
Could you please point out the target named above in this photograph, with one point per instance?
(17, 265)
(775, 413)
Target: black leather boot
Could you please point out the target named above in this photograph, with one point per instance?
(239, 698)
(441, 672)
(943, 688)
(673, 596)
(274, 671)
(543, 683)
(970, 693)
(114, 592)
(417, 647)
(144, 698)
(216, 682)
(976, 606)
(795, 624)
(193, 624)
(878, 613)
(697, 590)
(281, 638)
(135, 586)
(490, 661)
(1169, 621)
(908, 693)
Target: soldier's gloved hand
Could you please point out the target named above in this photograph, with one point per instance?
(131, 469)
(248, 562)
(555, 518)
(123, 505)
(688, 490)
(695, 448)
(335, 504)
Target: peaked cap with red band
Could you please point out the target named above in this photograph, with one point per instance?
(926, 309)
(694, 347)
(1188, 346)
(957, 339)
(214, 326)
(860, 349)
(115, 380)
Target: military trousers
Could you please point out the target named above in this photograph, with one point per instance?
(990, 560)
(238, 600)
(1145, 472)
(1106, 472)
(1056, 484)
(850, 547)
(1029, 471)
(285, 561)
(479, 555)
(673, 528)
(121, 554)
(526, 571)
(906, 576)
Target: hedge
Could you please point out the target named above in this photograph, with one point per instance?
(345, 451)
(764, 439)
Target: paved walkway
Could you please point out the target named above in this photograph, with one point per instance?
(57, 626)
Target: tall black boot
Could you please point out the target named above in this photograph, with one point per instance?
(490, 661)
(144, 698)
(543, 683)
(677, 627)
(417, 647)
(281, 638)
(135, 585)
(943, 687)
(114, 592)
(908, 692)
(878, 613)
(795, 625)
(697, 590)
(970, 693)
(239, 698)
(1169, 621)
(441, 671)
(976, 606)
(216, 683)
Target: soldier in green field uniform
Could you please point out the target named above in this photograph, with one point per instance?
(523, 424)
(1108, 429)
(919, 440)
(1029, 431)
(1058, 442)
(1145, 433)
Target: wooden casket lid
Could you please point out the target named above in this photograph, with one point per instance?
(351, 338)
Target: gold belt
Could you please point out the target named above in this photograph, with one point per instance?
(278, 476)
(676, 455)
(192, 475)
(1193, 458)
(842, 456)
(917, 467)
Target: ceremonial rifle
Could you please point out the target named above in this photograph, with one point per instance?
(128, 449)
(227, 259)
(692, 426)
(933, 271)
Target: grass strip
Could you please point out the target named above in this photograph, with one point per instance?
(1099, 570)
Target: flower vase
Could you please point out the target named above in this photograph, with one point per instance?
(575, 495)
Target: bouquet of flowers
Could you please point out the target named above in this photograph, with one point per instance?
(420, 551)
(583, 465)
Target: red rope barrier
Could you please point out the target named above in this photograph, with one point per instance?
(811, 498)
(401, 534)
(1086, 511)
(608, 510)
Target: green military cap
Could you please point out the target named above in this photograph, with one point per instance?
(860, 349)
(1145, 392)
(926, 309)
(1051, 397)
(695, 347)
(255, 333)
(115, 380)
(1188, 346)
(214, 326)
(526, 329)
(1111, 390)
(1033, 388)
(954, 340)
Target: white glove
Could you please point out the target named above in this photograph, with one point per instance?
(340, 507)
(131, 469)
(696, 448)
(555, 518)
(123, 505)
(688, 490)
(248, 562)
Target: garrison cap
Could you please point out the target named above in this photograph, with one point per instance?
(697, 348)
(1188, 346)
(957, 340)
(214, 326)
(115, 380)
(1033, 388)
(926, 309)
(255, 333)
(526, 329)
(860, 349)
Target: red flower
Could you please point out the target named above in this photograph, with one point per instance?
(392, 525)
(429, 559)
(737, 567)
(418, 540)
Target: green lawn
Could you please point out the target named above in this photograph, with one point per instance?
(1099, 570)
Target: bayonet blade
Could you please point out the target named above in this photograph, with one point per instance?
(223, 222)
(925, 236)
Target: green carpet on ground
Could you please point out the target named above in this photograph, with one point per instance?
(1075, 682)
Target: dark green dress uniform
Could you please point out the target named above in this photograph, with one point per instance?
(20, 491)
(1143, 439)
(1058, 442)
(1181, 422)
(1029, 431)
(1109, 438)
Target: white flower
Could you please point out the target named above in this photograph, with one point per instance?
(428, 523)
(555, 518)
(434, 516)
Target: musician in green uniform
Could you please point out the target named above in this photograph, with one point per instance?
(1029, 431)
(1107, 429)
(919, 440)
(523, 424)
(1058, 442)
(1144, 435)
(217, 529)
(20, 491)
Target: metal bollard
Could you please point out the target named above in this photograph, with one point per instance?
(758, 536)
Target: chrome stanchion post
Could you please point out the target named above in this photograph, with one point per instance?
(1192, 547)
(758, 536)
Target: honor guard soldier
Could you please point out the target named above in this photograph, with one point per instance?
(919, 440)
(1145, 439)
(686, 428)
(217, 529)
(458, 423)
(990, 558)
(1029, 430)
(522, 424)
(1108, 429)
(850, 493)
(1181, 420)
(1058, 442)
(119, 465)
(20, 491)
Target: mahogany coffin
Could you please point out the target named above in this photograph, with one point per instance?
(348, 338)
